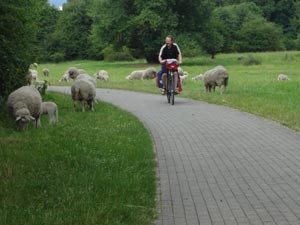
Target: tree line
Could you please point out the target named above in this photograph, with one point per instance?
(33, 30)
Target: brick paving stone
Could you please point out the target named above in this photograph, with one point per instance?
(216, 165)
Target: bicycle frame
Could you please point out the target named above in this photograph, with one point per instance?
(172, 67)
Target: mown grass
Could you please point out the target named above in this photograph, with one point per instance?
(253, 88)
(91, 168)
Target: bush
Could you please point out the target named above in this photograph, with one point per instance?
(57, 57)
(251, 60)
(110, 54)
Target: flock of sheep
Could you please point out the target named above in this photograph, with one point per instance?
(25, 104)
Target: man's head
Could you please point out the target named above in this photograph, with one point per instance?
(169, 40)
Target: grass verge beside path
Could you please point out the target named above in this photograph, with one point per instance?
(91, 168)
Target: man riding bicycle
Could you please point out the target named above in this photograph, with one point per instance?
(169, 50)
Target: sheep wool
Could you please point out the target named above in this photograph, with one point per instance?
(217, 76)
(24, 104)
(83, 91)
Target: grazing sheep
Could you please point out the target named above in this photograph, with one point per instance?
(24, 104)
(102, 75)
(51, 109)
(184, 77)
(282, 77)
(74, 72)
(198, 77)
(84, 91)
(65, 78)
(149, 73)
(46, 72)
(217, 76)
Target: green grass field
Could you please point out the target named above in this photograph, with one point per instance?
(91, 168)
(252, 89)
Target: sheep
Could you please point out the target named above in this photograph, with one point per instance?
(24, 104)
(135, 75)
(198, 77)
(65, 77)
(282, 77)
(217, 76)
(102, 75)
(46, 72)
(33, 74)
(51, 109)
(83, 90)
(149, 73)
(183, 77)
(76, 74)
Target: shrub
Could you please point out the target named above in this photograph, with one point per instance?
(251, 60)
(110, 54)
(57, 57)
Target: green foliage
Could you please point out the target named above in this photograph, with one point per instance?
(17, 35)
(250, 60)
(57, 57)
(189, 44)
(110, 54)
(259, 35)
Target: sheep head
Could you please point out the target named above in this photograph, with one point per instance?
(23, 117)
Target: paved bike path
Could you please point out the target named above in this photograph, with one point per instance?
(217, 165)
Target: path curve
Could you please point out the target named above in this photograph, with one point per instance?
(217, 165)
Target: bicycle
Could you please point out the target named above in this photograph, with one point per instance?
(172, 67)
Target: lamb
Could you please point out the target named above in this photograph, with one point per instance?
(183, 77)
(198, 77)
(24, 104)
(83, 90)
(102, 75)
(51, 109)
(33, 74)
(65, 77)
(217, 76)
(46, 72)
(282, 77)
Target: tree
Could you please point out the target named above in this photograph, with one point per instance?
(73, 30)
(259, 35)
(17, 35)
(230, 20)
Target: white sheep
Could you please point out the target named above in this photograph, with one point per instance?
(50, 109)
(135, 75)
(198, 77)
(217, 76)
(24, 104)
(33, 74)
(102, 75)
(84, 91)
(65, 78)
(282, 77)
(184, 77)
(76, 74)
(149, 73)
(46, 72)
